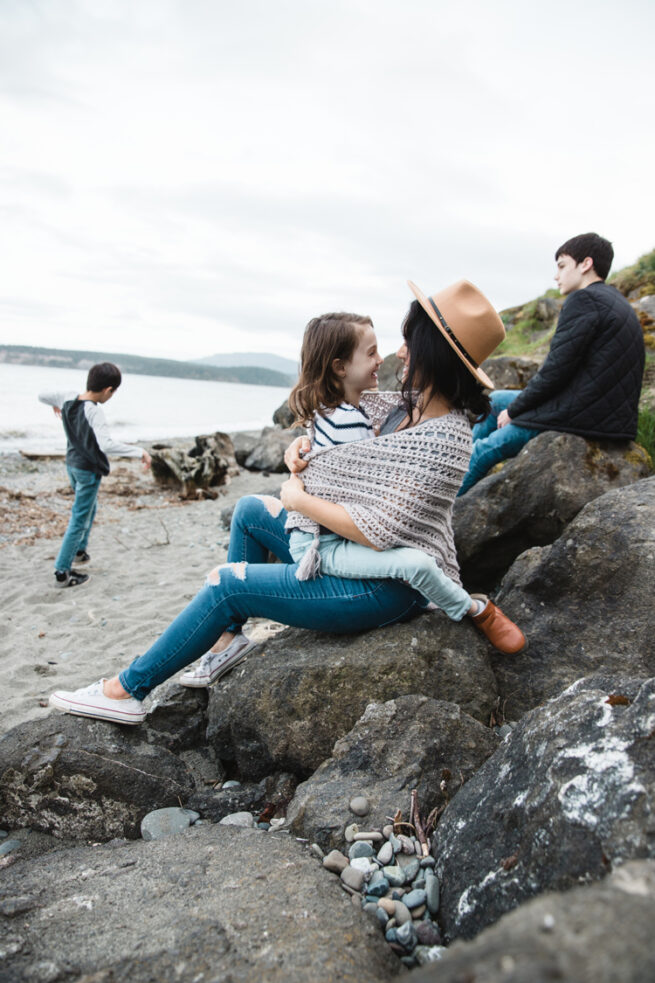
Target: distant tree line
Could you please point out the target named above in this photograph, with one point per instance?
(140, 365)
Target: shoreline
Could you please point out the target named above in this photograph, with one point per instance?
(150, 553)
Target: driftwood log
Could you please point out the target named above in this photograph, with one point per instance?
(208, 464)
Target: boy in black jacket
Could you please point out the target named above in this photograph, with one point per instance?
(89, 442)
(590, 381)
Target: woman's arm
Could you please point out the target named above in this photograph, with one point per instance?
(328, 514)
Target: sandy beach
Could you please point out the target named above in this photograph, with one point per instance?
(149, 554)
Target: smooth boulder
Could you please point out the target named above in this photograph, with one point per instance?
(566, 798)
(413, 742)
(284, 708)
(601, 932)
(268, 452)
(217, 903)
(533, 497)
(74, 777)
(585, 603)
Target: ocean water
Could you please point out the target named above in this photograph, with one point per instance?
(144, 408)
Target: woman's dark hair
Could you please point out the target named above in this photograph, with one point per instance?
(326, 338)
(102, 375)
(435, 369)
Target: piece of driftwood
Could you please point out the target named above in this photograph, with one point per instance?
(209, 463)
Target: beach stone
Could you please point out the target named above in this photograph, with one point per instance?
(396, 845)
(600, 932)
(382, 917)
(385, 853)
(508, 512)
(410, 867)
(335, 861)
(417, 913)
(244, 819)
(197, 902)
(274, 790)
(351, 832)
(395, 875)
(166, 822)
(364, 864)
(424, 955)
(410, 742)
(243, 443)
(360, 805)
(406, 935)
(86, 779)
(275, 716)
(371, 837)
(387, 831)
(427, 933)
(585, 602)
(353, 878)
(414, 898)
(268, 452)
(7, 846)
(361, 849)
(569, 798)
(407, 844)
(401, 912)
(388, 905)
(427, 861)
(432, 892)
(378, 888)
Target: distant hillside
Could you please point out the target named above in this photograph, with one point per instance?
(139, 365)
(262, 360)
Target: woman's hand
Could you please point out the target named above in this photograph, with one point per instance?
(292, 458)
(292, 492)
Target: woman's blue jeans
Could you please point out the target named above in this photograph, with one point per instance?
(247, 586)
(85, 484)
(491, 445)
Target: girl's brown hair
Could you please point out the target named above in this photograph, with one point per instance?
(326, 338)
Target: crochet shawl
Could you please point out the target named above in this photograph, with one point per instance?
(398, 489)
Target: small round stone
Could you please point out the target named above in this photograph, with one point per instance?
(316, 850)
(418, 913)
(414, 898)
(378, 888)
(406, 935)
(232, 783)
(385, 854)
(428, 862)
(432, 892)
(391, 935)
(360, 805)
(387, 905)
(335, 861)
(8, 845)
(395, 875)
(427, 933)
(244, 819)
(365, 864)
(410, 868)
(360, 848)
(382, 917)
(407, 844)
(159, 823)
(353, 878)
(387, 831)
(372, 836)
(350, 832)
(402, 914)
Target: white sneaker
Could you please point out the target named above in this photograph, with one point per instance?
(213, 665)
(90, 701)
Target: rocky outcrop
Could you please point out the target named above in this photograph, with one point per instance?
(510, 371)
(533, 497)
(284, 708)
(568, 796)
(220, 904)
(585, 603)
(209, 463)
(413, 742)
(268, 452)
(85, 778)
(601, 932)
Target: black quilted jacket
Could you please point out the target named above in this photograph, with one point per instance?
(590, 381)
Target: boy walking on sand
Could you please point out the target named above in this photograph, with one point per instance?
(89, 442)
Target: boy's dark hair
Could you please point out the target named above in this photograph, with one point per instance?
(102, 375)
(599, 249)
(326, 337)
(435, 368)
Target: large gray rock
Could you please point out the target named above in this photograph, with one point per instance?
(210, 462)
(85, 778)
(600, 932)
(568, 795)
(287, 705)
(586, 602)
(268, 452)
(217, 903)
(413, 742)
(283, 417)
(533, 497)
(510, 371)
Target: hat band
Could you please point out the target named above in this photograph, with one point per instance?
(456, 342)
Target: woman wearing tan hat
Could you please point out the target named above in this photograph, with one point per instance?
(396, 490)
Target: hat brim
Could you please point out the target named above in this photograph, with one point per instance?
(481, 376)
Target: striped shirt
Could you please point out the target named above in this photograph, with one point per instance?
(342, 425)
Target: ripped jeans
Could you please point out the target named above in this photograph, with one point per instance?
(247, 586)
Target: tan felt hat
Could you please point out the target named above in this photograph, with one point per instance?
(467, 321)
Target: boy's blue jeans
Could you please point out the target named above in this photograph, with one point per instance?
(343, 558)
(85, 484)
(247, 586)
(491, 445)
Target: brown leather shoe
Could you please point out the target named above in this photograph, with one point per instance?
(503, 634)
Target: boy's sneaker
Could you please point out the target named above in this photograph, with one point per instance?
(90, 701)
(70, 578)
(82, 556)
(213, 665)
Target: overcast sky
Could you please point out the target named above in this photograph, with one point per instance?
(184, 177)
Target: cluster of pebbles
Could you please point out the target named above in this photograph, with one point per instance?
(389, 876)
